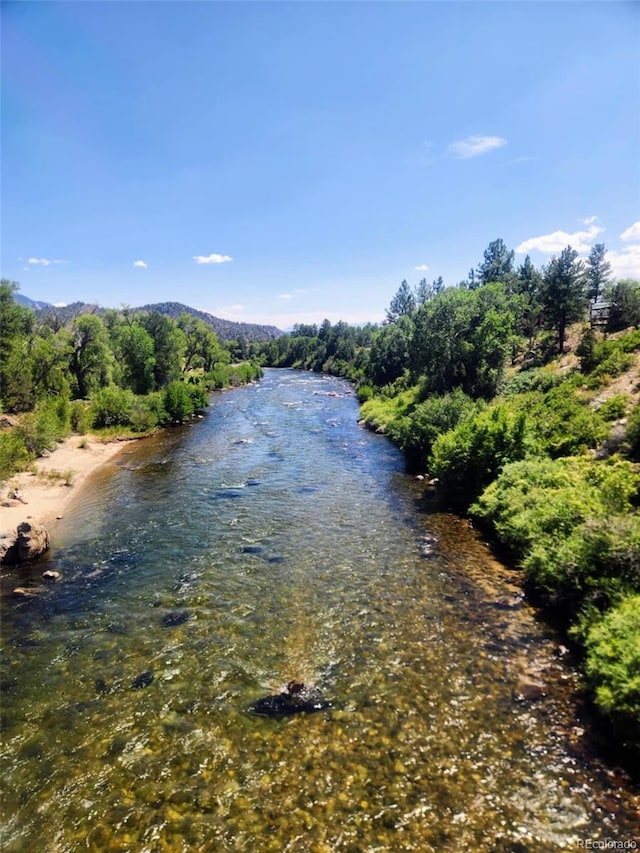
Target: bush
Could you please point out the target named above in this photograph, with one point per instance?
(416, 431)
(81, 417)
(42, 429)
(613, 661)
(178, 402)
(563, 424)
(633, 433)
(614, 408)
(112, 406)
(467, 458)
(541, 501)
(14, 455)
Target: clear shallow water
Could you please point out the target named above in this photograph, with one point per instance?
(276, 539)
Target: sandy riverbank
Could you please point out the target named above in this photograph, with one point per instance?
(46, 494)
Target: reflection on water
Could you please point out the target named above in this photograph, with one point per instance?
(276, 540)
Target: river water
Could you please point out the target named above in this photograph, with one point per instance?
(277, 539)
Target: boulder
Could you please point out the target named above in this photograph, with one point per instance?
(33, 540)
(8, 548)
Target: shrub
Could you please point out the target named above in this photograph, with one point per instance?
(14, 455)
(81, 417)
(633, 433)
(614, 408)
(178, 402)
(416, 431)
(112, 406)
(467, 458)
(544, 500)
(42, 429)
(613, 661)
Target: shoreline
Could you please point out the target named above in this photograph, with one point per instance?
(59, 478)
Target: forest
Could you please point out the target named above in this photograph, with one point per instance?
(123, 374)
(524, 415)
(515, 401)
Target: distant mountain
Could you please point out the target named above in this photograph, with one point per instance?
(227, 330)
(30, 303)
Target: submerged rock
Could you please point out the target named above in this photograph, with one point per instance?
(296, 699)
(143, 680)
(174, 618)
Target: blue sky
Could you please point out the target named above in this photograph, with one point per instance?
(285, 162)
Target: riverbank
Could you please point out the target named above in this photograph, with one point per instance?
(55, 481)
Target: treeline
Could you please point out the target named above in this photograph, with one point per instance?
(470, 381)
(121, 371)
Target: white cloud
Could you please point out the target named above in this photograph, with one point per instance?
(44, 262)
(625, 264)
(422, 267)
(590, 220)
(225, 310)
(142, 264)
(548, 244)
(59, 304)
(284, 296)
(212, 259)
(632, 232)
(474, 146)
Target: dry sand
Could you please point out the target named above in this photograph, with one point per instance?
(47, 497)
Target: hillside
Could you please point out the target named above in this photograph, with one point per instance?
(226, 330)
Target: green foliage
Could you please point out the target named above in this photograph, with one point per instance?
(42, 429)
(467, 458)
(561, 421)
(613, 661)
(178, 402)
(615, 407)
(542, 500)
(563, 296)
(81, 417)
(112, 406)
(633, 432)
(536, 379)
(624, 297)
(416, 431)
(14, 455)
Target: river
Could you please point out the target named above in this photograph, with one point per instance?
(276, 539)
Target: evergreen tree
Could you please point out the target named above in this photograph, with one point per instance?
(497, 264)
(598, 271)
(403, 303)
(563, 296)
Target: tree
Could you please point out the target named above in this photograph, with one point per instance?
(563, 293)
(389, 355)
(202, 347)
(16, 325)
(497, 264)
(168, 346)
(403, 303)
(138, 359)
(91, 356)
(598, 271)
(624, 296)
(528, 285)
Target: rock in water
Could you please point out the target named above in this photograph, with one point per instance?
(175, 618)
(143, 680)
(33, 540)
(296, 699)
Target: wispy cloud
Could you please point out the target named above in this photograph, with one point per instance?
(44, 262)
(284, 296)
(225, 310)
(589, 220)
(548, 244)
(422, 267)
(632, 232)
(474, 146)
(142, 264)
(212, 259)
